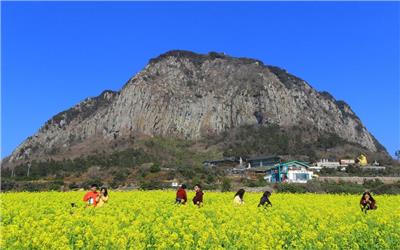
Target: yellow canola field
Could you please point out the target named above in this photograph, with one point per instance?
(150, 220)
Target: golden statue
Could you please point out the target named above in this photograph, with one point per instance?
(362, 160)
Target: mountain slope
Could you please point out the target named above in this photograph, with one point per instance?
(185, 95)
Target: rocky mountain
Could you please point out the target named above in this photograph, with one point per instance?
(182, 94)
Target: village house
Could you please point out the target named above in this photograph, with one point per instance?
(326, 163)
(261, 164)
(263, 161)
(292, 172)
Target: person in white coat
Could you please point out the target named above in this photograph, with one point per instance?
(238, 199)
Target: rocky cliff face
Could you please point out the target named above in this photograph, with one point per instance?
(188, 95)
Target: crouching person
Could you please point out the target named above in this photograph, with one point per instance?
(181, 197)
(264, 201)
(367, 202)
(198, 198)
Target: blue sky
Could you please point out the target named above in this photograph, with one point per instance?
(55, 54)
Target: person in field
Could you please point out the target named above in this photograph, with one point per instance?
(264, 201)
(198, 198)
(91, 197)
(238, 198)
(181, 197)
(367, 202)
(102, 198)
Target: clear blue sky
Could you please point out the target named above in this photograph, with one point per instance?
(55, 54)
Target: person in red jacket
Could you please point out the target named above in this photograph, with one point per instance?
(198, 199)
(181, 197)
(91, 197)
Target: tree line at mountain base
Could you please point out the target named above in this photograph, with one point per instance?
(376, 186)
(153, 163)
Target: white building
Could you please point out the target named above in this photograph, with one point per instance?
(325, 163)
(346, 162)
(291, 172)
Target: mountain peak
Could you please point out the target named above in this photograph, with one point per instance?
(188, 95)
(187, 55)
(200, 58)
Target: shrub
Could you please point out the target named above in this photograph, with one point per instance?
(73, 185)
(150, 185)
(226, 185)
(120, 176)
(155, 168)
(372, 183)
(290, 188)
(7, 185)
(387, 189)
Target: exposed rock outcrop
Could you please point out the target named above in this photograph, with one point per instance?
(188, 95)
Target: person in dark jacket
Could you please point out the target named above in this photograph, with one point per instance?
(181, 197)
(198, 198)
(367, 202)
(264, 201)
